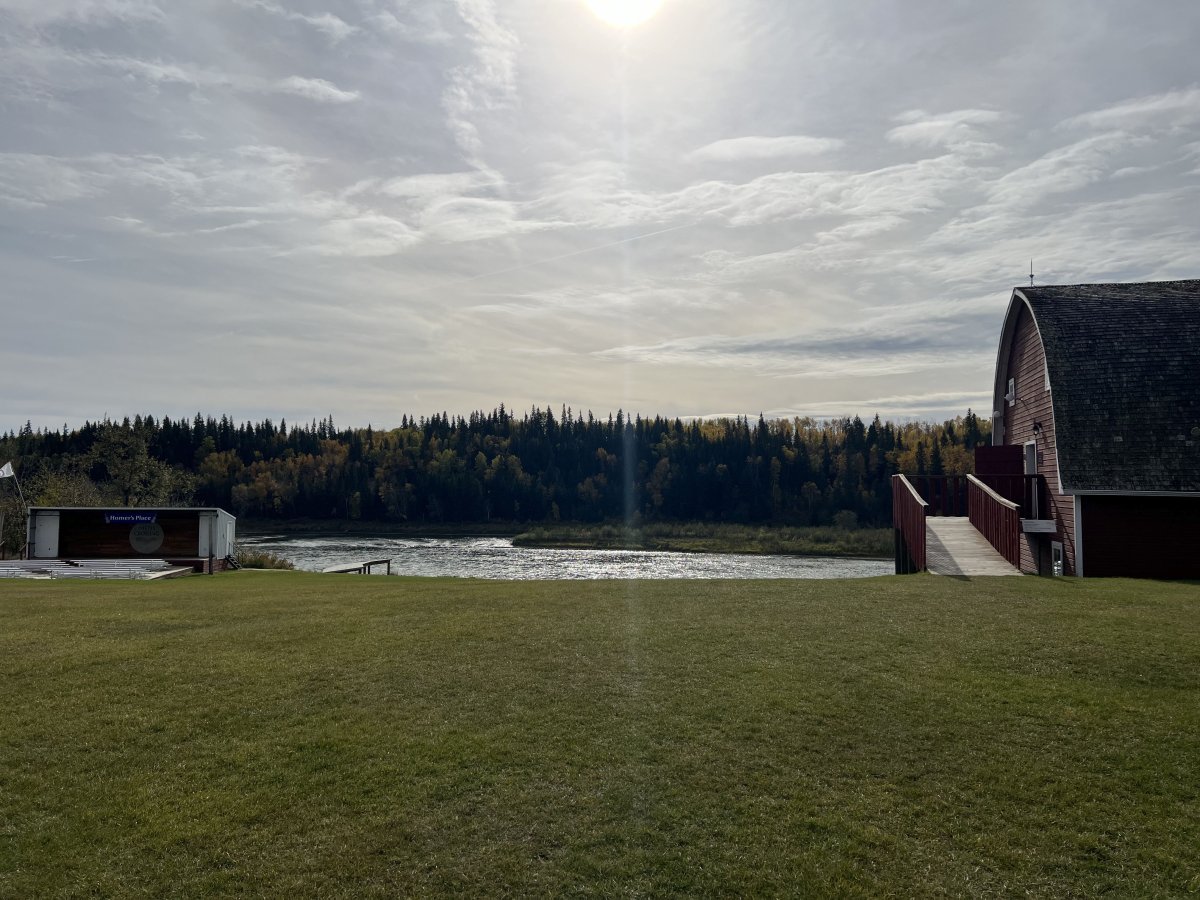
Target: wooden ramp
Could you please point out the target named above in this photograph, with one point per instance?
(135, 569)
(954, 547)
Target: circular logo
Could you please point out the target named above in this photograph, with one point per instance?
(146, 538)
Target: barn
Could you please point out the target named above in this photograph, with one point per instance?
(1097, 391)
(202, 538)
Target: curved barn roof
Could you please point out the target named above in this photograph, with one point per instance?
(1124, 367)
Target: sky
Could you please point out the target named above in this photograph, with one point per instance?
(370, 208)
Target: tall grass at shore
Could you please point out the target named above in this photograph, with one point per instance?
(701, 537)
(258, 558)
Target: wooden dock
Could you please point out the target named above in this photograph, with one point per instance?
(359, 568)
(955, 547)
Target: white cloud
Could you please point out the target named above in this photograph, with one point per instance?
(370, 234)
(420, 23)
(435, 185)
(936, 403)
(159, 72)
(951, 129)
(740, 148)
(1173, 108)
(796, 357)
(30, 180)
(1063, 170)
(488, 83)
(42, 12)
(597, 193)
(336, 29)
(473, 219)
(317, 89)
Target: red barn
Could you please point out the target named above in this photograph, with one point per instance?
(1098, 390)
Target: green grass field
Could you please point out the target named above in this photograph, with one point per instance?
(278, 733)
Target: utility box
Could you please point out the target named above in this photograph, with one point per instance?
(202, 538)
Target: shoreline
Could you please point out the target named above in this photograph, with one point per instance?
(684, 537)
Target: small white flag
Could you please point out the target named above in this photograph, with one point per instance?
(6, 471)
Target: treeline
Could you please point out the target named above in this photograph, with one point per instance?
(496, 466)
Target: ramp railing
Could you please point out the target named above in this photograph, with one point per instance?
(908, 526)
(997, 519)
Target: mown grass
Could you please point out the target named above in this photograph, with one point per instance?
(277, 733)
(704, 537)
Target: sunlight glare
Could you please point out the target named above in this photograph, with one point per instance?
(624, 13)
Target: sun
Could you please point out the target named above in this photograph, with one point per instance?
(624, 13)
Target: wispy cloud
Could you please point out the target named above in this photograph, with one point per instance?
(790, 146)
(1175, 108)
(953, 129)
(897, 406)
(333, 27)
(317, 89)
(159, 72)
(488, 82)
(1063, 170)
(43, 12)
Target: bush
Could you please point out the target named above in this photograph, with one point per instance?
(259, 559)
(847, 520)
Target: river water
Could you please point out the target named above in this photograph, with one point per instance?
(493, 557)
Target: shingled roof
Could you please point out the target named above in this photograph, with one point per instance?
(1124, 368)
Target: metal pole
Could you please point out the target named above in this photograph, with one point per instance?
(25, 506)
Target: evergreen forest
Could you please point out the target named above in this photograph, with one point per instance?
(492, 467)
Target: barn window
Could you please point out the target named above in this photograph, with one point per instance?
(1011, 396)
(1047, 378)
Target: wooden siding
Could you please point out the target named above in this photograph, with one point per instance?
(83, 534)
(1141, 537)
(1027, 367)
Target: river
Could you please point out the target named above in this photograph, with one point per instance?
(493, 557)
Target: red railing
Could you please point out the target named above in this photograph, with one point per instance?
(945, 494)
(1028, 491)
(996, 518)
(908, 524)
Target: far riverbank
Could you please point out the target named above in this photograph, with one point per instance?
(684, 537)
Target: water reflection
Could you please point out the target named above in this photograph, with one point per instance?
(491, 557)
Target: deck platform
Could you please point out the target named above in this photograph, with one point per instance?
(955, 547)
(359, 568)
(134, 569)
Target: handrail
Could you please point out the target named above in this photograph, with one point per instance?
(912, 490)
(995, 496)
(997, 519)
(945, 495)
(1027, 490)
(908, 522)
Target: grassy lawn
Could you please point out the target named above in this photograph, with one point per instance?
(278, 733)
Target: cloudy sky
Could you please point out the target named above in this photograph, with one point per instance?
(373, 207)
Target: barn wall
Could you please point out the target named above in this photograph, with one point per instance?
(1027, 365)
(1140, 537)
